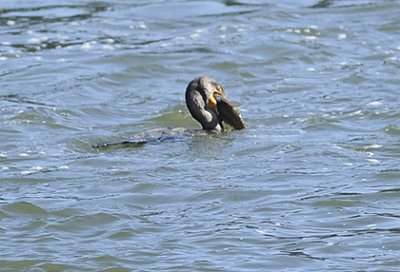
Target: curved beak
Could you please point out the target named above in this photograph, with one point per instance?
(212, 102)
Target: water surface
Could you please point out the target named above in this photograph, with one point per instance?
(311, 184)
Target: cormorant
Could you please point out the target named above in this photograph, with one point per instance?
(207, 103)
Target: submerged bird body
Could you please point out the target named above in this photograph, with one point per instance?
(206, 102)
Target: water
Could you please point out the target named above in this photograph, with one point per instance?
(311, 184)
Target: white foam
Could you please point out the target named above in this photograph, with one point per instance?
(108, 47)
(37, 168)
(86, 46)
(34, 40)
(341, 36)
(194, 35)
(374, 161)
(260, 231)
(357, 112)
(374, 146)
(310, 38)
(375, 104)
(140, 25)
(34, 169)
(180, 38)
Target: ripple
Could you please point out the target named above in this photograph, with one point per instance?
(306, 186)
(24, 208)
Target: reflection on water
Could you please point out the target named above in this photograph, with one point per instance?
(310, 184)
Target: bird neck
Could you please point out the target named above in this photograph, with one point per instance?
(209, 120)
(198, 108)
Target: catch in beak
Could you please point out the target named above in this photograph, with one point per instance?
(228, 111)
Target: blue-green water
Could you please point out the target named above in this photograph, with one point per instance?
(311, 184)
